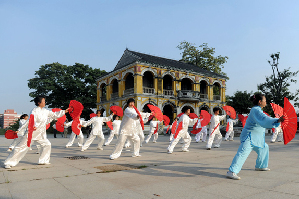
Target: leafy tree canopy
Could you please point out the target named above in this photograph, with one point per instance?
(202, 56)
(240, 101)
(61, 83)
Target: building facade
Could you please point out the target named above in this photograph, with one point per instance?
(166, 83)
(9, 117)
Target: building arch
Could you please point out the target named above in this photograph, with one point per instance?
(192, 108)
(125, 73)
(150, 70)
(217, 81)
(112, 79)
(148, 79)
(204, 107)
(188, 77)
(114, 85)
(167, 82)
(129, 81)
(168, 73)
(186, 84)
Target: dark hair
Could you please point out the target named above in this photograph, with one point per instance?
(114, 117)
(256, 98)
(130, 100)
(100, 112)
(216, 109)
(38, 99)
(185, 108)
(23, 116)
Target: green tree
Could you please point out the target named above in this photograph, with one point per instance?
(61, 83)
(269, 88)
(202, 56)
(240, 101)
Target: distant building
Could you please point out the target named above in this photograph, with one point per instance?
(9, 117)
(166, 83)
(1, 120)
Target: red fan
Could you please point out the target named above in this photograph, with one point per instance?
(173, 127)
(30, 129)
(156, 130)
(242, 119)
(92, 115)
(195, 131)
(180, 127)
(206, 117)
(157, 112)
(278, 110)
(166, 120)
(117, 110)
(60, 121)
(179, 115)
(10, 134)
(76, 126)
(109, 124)
(289, 125)
(230, 111)
(168, 129)
(140, 118)
(150, 117)
(193, 115)
(75, 109)
(227, 127)
(48, 126)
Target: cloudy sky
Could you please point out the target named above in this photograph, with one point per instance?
(96, 32)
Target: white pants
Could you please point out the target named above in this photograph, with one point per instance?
(230, 135)
(171, 137)
(278, 135)
(183, 135)
(150, 135)
(218, 138)
(90, 140)
(141, 136)
(15, 142)
(72, 139)
(110, 138)
(120, 143)
(21, 149)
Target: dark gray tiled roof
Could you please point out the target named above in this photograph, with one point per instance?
(130, 57)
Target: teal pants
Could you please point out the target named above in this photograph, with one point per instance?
(243, 152)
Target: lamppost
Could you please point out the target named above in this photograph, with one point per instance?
(277, 83)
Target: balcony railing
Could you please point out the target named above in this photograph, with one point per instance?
(216, 97)
(203, 96)
(103, 99)
(168, 92)
(147, 90)
(188, 95)
(129, 91)
(114, 96)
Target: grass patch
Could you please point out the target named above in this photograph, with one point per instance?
(2, 131)
(142, 166)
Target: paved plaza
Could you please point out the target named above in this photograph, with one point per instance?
(198, 173)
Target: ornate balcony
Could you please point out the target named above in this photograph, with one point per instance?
(216, 97)
(129, 91)
(103, 99)
(168, 92)
(114, 96)
(188, 95)
(147, 90)
(203, 96)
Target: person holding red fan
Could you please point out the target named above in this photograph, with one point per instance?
(41, 117)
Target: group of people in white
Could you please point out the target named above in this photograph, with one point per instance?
(128, 129)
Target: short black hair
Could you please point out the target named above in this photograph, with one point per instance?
(130, 100)
(23, 116)
(114, 117)
(38, 99)
(216, 109)
(185, 108)
(256, 98)
(100, 111)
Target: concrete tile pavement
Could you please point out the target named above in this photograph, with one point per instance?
(195, 174)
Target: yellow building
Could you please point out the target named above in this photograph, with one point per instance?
(166, 83)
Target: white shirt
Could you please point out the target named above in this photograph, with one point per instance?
(128, 123)
(215, 120)
(97, 123)
(186, 122)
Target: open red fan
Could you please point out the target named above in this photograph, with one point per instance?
(150, 117)
(157, 112)
(60, 121)
(242, 119)
(117, 110)
(156, 130)
(168, 129)
(10, 134)
(206, 117)
(76, 126)
(180, 127)
(30, 129)
(173, 127)
(48, 126)
(179, 115)
(140, 118)
(289, 125)
(166, 120)
(230, 111)
(75, 109)
(278, 110)
(92, 115)
(195, 131)
(193, 115)
(109, 124)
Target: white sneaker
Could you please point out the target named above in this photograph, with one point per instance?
(7, 167)
(99, 148)
(67, 146)
(10, 149)
(134, 156)
(47, 163)
(37, 152)
(232, 175)
(169, 152)
(225, 139)
(82, 150)
(186, 150)
(262, 169)
(154, 141)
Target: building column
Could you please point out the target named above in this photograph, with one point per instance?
(138, 84)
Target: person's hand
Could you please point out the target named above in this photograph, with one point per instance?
(138, 117)
(112, 113)
(17, 131)
(34, 128)
(281, 119)
(152, 113)
(67, 110)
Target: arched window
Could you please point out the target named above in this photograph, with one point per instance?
(186, 84)
(148, 80)
(129, 82)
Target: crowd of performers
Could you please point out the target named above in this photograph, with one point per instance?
(129, 131)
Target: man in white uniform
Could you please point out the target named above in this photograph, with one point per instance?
(153, 126)
(277, 133)
(116, 124)
(214, 129)
(73, 135)
(230, 133)
(39, 135)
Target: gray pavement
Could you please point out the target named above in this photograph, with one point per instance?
(195, 174)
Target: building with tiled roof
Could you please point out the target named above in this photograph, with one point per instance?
(166, 83)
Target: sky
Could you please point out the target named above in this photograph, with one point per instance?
(96, 33)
